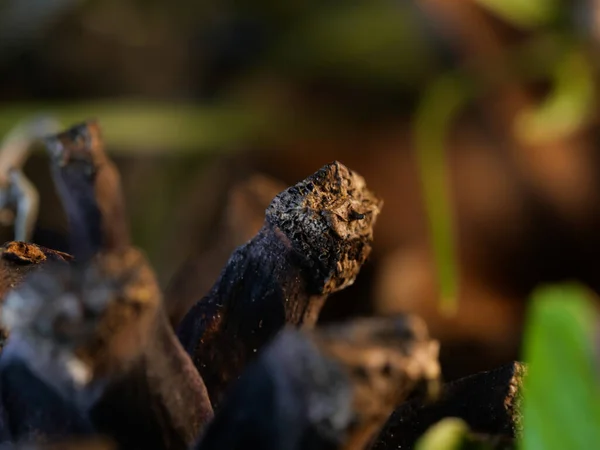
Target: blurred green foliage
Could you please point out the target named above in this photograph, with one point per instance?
(561, 407)
(448, 434)
(144, 126)
(561, 402)
(432, 122)
(569, 104)
(374, 43)
(454, 434)
(529, 13)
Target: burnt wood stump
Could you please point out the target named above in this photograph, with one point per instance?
(316, 236)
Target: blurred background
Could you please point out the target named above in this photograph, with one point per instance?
(476, 121)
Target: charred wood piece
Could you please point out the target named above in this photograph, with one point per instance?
(89, 187)
(315, 238)
(488, 402)
(330, 388)
(97, 337)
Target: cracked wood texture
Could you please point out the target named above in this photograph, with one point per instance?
(89, 186)
(328, 388)
(315, 238)
(488, 402)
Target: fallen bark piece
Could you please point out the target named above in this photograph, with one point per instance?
(97, 335)
(488, 402)
(316, 236)
(330, 388)
(89, 187)
(243, 217)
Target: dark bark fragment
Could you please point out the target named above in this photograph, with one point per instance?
(325, 389)
(316, 236)
(488, 402)
(97, 335)
(89, 187)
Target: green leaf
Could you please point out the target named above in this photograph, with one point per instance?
(567, 107)
(561, 407)
(453, 433)
(525, 13)
(448, 434)
(134, 125)
(433, 118)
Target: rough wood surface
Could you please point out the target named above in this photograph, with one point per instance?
(488, 402)
(315, 238)
(330, 388)
(89, 187)
(98, 336)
